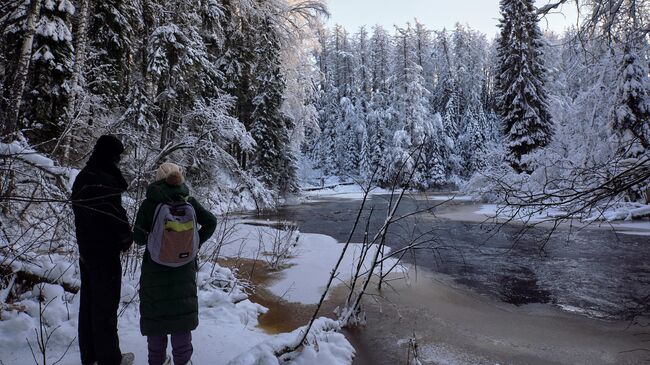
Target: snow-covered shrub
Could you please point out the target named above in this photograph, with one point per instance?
(279, 245)
(35, 218)
(482, 185)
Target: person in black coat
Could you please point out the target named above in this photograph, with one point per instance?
(103, 231)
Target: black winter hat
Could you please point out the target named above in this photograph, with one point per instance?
(107, 149)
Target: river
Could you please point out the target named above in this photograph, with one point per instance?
(481, 293)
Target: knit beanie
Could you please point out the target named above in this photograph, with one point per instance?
(171, 173)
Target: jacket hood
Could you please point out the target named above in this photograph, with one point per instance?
(161, 192)
(107, 150)
(105, 157)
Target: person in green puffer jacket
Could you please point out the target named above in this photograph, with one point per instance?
(168, 295)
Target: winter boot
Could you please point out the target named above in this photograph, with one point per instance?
(127, 359)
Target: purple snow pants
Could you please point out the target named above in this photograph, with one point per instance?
(181, 348)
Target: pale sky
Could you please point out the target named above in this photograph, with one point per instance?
(481, 15)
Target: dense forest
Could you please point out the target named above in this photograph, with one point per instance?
(557, 103)
(217, 86)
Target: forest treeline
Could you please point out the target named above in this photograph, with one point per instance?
(239, 91)
(438, 107)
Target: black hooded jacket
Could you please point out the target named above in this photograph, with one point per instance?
(101, 222)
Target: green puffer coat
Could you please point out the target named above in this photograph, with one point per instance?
(168, 296)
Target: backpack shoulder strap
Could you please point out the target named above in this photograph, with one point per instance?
(155, 215)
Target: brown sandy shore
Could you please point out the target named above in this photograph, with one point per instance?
(456, 326)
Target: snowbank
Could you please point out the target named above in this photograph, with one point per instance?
(625, 212)
(506, 212)
(324, 345)
(443, 197)
(340, 190)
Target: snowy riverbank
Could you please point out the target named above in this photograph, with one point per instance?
(621, 220)
(628, 218)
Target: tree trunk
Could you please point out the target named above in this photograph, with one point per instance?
(243, 163)
(22, 70)
(77, 73)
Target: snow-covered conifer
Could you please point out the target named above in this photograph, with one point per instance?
(274, 158)
(520, 85)
(51, 74)
(631, 109)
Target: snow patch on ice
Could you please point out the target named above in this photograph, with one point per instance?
(309, 266)
(444, 355)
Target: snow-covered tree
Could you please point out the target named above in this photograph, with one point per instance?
(112, 26)
(348, 134)
(46, 103)
(376, 141)
(416, 145)
(362, 94)
(473, 141)
(274, 156)
(520, 85)
(631, 109)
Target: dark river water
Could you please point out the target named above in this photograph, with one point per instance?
(595, 272)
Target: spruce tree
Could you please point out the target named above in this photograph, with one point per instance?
(414, 114)
(51, 74)
(111, 29)
(327, 144)
(274, 159)
(520, 83)
(375, 143)
(348, 147)
(380, 112)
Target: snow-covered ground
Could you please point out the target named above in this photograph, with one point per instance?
(355, 191)
(227, 333)
(226, 317)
